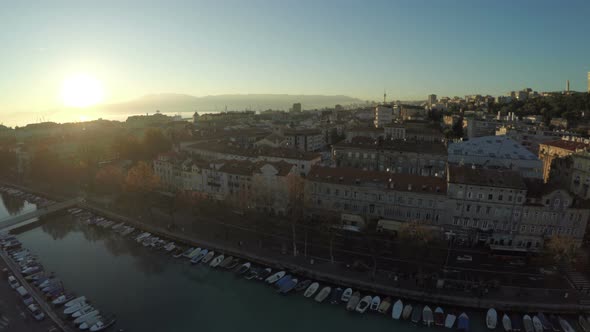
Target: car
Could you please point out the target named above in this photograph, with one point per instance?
(13, 282)
(464, 258)
(27, 299)
(36, 312)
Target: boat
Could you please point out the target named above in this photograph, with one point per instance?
(375, 303)
(439, 316)
(583, 323)
(83, 311)
(385, 305)
(565, 325)
(194, 252)
(450, 320)
(346, 295)
(283, 280)
(335, 296)
(81, 319)
(528, 323)
(407, 312)
(416, 314)
(177, 253)
(275, 277)
(463, 322)
(243, 268)
(311, 290)
(199, 256)
(491, 318)
(208, 257)
(555, 323)
(234, 262)
(226, 261)
(75, 301)
(252, 273)
(323, 294)
(288, 286)
(353, 301)
(396, 311)
(547, 326)
(506, 323)
(89, 322)
(363, 304)
(427, 316)
(265, 273)
(217, 260)
(303, 285)
(538, 325)
(102, 324)
(62, 299)
(73, 308)
(516, 323)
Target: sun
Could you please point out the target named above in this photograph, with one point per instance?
(81, 90)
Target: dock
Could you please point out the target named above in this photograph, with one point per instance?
(12, 221)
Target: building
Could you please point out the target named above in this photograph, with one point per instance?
(579, 181)
(528, 136)
(413, 112)
(414, 131)
(496, 152)
(589, 82)
(304, 139)
(552, 150)
(383, 115)
(370, 132)
(296, 108)
(479, 128)
(559, 123)
(431, 100)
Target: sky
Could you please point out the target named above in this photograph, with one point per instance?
(332, 47)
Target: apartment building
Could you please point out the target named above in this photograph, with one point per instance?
(307, 140)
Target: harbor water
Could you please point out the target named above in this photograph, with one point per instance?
(150, 291)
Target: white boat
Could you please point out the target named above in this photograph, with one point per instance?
(363, 304)
(193, 253)
(86, 317)
(528, 323)
(346, 295)
(450, 321)
(581, 321)
(197, 258)
(73, 308)
(217, 260)
(83, 311)
(353, 301)
(491, 318)
(208, 257)
(427, 316)
(375, 303)
(102, 324)
(565, 325)
(275, 277)
(398, 307)
(311, 289)
(538, 325)
(75, 301)
(61, 299)
(323, 294)
(89, 322)
(506, 323)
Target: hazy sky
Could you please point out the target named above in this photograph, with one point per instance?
(356, 48)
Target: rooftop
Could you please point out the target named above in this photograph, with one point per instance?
(485, 177)
(404, 146)
(567, 145)
(229, 148)
(501, 147)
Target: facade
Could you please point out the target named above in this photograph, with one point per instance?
(431, 100)
(371, 132)
(528, 136)
(308, 140)
(496, 152)
(552, 150)
(579, 181)
(383, 116)
(479, 128)
(296, 108)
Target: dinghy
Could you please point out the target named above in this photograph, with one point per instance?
(252, 273)
(215, 262)
(323, 294)
(450, 321)
(516, 322)
(353, 301)
(538, 325)
(208, 257)
(384, 306)
(243, 268)
(335, 296)
(398, 307)
(506, 323)
(234, 262)
(363, 304)
(283, 280)
(311, 290)
(463, 322)
(265, 273)
(86, 317)
(491, 318)
(527, 321)
(375, 303)
(288, 286)
(73, 308)
(187, 252)
(439, 316)
(199, 256)
(565, 325)
(547, 326)
(275, 277)
(226, 261)
(346, 295)
(427, 316)
(407, 312)
(303, 285)
(416, 314)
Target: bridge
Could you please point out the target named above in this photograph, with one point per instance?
(11, 221)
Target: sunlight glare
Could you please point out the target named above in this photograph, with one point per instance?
(81, 90)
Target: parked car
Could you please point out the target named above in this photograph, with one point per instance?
(36, 312)
(27, 299)
(464, 258)
(13, 282)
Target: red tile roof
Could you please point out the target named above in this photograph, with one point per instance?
(567, 145)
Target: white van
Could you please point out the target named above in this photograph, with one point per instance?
(27, 299)
(13, 282)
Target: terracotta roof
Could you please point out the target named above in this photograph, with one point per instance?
(486, 177)
(391, 181)
(567, 145)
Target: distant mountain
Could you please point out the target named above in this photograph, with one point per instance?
(172, 103)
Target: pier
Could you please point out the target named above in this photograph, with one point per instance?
(11, 221)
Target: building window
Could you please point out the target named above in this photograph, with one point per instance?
(490, 196)
(500, 197)
(455, 221)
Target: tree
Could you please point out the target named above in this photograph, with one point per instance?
(141, 178)
(127, 147)
(155, 142)
(109, 179)
(562, 249)
(296, 187)
(458, 128)
(417, 233)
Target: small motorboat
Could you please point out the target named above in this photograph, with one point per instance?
(73, 308)
(516, 322)
(439, 316)
(506, 323)
(283, 280)
(199, 256)
(303, 285)
(346, 295)
(527, 321)
(323, 294)
(208, 257)
(565, 325)
(263, 274)
(583, 323)
(555, 323)
(288, 286)
(427, 316)
(538, 325)
(335, 296)
(177, 253)
(275, 277)
(363, 304)
(384, 306)
(375, 303)
(416, 314)
(450, 320)
(102, 324)
(226, 261)
(89, 322)
(81, 319)
(353, 300)
(491, 318)
(252, 273)
(463, 322)
(194, 253)
(396, 311)
(407, 312)
(243, 268)
(216, 261)
(311, 290)
(62, 299)
(75, 301)
(83, 311)
(547, 326)
(187, 252)
(232, 265)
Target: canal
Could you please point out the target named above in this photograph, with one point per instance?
(150, 291)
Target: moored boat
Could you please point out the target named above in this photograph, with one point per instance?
(197, 258)
(226, 261)
(216, 261)
(283, 280)
(63, 298)
(353, 301)
(450, 320)
(555, 323)
(491, 318)
(375, 303)
(547, 326)
(208, 257)
(439, 316)
(102, 324)
(275, 277)
(516, 322)
(89, 322)
(303, 285)
(346, 295)
(311, 290)
(363, 304)
(73, 308)
(335, 296)
(396, 311)
(506, 323)
(416, 314)
(463, 322)
(527, 321)
(263, 274)
(583, 323)
(288, 286)
(83, 311)
(323, 294)
(384, 306)
(81, 319)
(538, 325)
(407, 312)
(427, 316)
(244, 268)
(75, 301)
(565, 325)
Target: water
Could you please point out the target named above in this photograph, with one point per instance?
(149, 291)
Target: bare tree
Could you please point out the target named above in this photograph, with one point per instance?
(296, 188)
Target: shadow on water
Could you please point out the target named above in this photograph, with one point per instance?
(14, 205)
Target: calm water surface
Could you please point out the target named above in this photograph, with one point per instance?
(149, 291)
